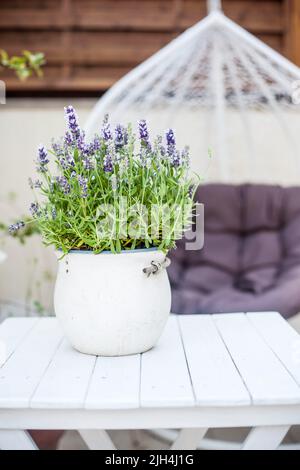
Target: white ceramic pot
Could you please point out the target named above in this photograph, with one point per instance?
(107, 305)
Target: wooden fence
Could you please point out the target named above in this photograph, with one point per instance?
(89, 44)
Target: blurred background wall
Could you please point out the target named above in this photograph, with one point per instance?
(89, 44)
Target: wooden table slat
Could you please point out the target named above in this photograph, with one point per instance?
(115, 383)
(66, 380)
(21, 374)
(12, 332)
(215, 378)
(165, 379)
(282, 339)
(264, 375)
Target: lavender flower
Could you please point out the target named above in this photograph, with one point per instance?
(63, 163)
(63, 184)
(72, 122)
(95, 145)
(66, 161)
(42, 159)
(170, 137)
(106, 131)
(173, 154)
(143, 130)
(37, 184)
(57, 148)
(158, 146)
(70, 160)
(176, 160)
(34, 209)
(83, 185)
(121, 136)
(87, 163)
(68, 139)
(144, 156)
(107, 163)
(109, 158)
(81, 144)
(185, 156)
(15, 227)
(53, 213)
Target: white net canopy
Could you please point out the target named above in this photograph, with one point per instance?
(222, 89)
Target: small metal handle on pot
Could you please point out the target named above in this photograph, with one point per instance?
(156, 267)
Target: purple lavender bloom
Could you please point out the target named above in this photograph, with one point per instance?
(185, 156)
(42, 159)
(143, 130)
(53, 213)
(106, 131)
(95, 145)
(83, 185)
(170, 137)
(15, 227)
(109, 158)
(63, 184)
(68, 139)
(57, 148)
(72, 121)
(81, 144)
(173, 154)
(34, 209)
(107, 163)
(176, 160)
(87, 163)
(37, 184)
(63, 163)
(86, 150)
(70, 160)
(121, 136)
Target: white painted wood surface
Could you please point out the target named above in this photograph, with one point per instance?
(165, 379)
(264, 375)
(188, 439)
(66, 380)
(115, 383)
(11, 439)
(281, 338)
(206, 371)
(11, 334)
(97, 439)
(215, 379)
(265, 438)
(23, 371)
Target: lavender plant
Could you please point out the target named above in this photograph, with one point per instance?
(101, 194)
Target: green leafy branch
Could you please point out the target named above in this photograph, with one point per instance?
(25, 65)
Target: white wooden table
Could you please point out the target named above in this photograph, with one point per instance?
(207, 371)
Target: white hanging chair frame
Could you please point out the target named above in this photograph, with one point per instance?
(215, 18)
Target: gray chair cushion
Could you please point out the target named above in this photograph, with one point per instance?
(251, 255)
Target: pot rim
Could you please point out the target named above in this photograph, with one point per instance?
(107, 252)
